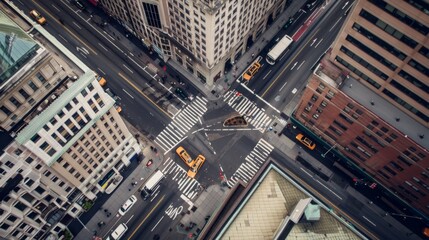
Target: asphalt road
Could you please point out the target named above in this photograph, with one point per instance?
(125, 75)
(276, 83)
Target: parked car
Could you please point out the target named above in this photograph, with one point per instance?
(37, 17)
(182, 94)
(127, 205)
(306, 141)
(288, 23)
(118, 232)
(79, 4)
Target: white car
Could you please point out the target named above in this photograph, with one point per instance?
(127, 205)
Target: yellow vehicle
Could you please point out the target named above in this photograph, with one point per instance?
(37, 17)
(118, 108)
(306, 141)
(251, 71)
(101, 81)
(185, 156)
(199, 161)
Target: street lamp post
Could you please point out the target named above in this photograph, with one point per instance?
(324, 154)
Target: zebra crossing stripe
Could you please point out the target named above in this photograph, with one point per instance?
(173, 134)
(189, 186)
(244, 174)
(170, 165)
(248, 170)
(227, 95)
(246, 107)
(256, 162)
(176, 127)
(161, 145)
(182, 123)
(200, 106)
(252, 166)
(165, 142)
(184, 183)
(196, 111)
(259, 154)
(177, 174)
(192, 195)
(183, 180)
(167, 161)
(242, 105)
(266, 146)
(254, 109)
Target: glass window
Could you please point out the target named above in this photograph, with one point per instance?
(32, 85)
(15, 102)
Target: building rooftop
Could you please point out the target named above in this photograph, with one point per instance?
(16, 48)
(392, 115)
(387, 111)
(269, 201)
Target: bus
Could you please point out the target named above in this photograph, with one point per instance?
(278, 49)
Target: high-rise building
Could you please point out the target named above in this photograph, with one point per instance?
(385, 44)
(203, 37)
(62, 139)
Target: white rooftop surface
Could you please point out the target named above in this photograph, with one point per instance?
(387, 111)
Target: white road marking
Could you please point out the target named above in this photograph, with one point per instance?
(128, 93)
(369, 221)
(127, 68)
(157, 223)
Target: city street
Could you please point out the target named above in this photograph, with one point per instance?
(150, 104)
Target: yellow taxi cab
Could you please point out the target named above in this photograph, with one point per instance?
(199, 161)
(101, 81)
(251, 71)
(306, 141)
(118, 108)
(37, 17)
(183, 154)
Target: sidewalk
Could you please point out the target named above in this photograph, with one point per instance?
(208, 201)
(135, 172)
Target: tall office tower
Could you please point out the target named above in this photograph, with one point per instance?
(204, 37)
(62, 140)
(385, 44)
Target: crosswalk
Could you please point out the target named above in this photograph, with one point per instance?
(251, 112)
(181, 124)
(187, 186)
(254, 161)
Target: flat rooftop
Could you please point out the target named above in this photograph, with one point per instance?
(268, 201)
(387, 111)
(16, 47)
(351, 87)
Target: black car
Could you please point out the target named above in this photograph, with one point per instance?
(288, 23)
(79, 4)
(182, 94)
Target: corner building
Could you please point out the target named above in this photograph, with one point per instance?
(62, 140)
(373, 135)
(385, 44)
(203, 37)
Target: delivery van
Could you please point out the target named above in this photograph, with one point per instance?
(151, 184)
